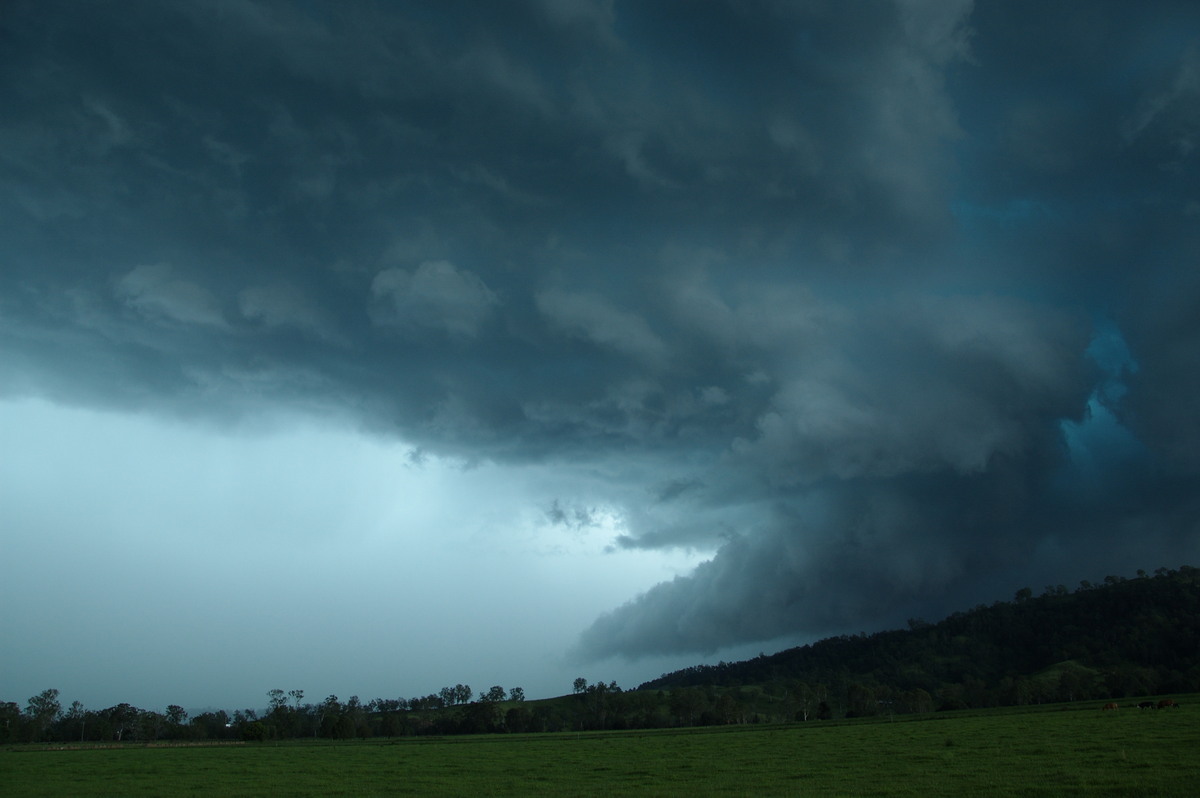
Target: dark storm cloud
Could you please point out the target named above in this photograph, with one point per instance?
(811, 285)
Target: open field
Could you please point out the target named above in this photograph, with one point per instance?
(1077, 751)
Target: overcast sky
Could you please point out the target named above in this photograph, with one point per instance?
(372, 347)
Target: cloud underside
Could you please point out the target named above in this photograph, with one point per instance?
(822, 289)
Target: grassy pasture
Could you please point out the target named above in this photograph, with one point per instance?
(1083, 751)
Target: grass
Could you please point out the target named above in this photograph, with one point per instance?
(1032, 753)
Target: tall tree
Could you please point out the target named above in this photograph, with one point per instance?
(43, 710)
(276, 700)
(211, 725)
(121, 719)
(76, 716)
(150, 725)
(10, 721)
(327, 716)
(176, 718)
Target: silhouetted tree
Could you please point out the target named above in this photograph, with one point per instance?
(76, 720)
(43, 709)
(150, 725)
(121, 720)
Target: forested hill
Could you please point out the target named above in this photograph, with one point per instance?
(1123, 637)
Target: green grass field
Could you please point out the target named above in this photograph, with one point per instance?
(1080, 751)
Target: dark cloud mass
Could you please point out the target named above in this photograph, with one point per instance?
(889, 305)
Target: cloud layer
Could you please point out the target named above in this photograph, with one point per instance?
(821, 289)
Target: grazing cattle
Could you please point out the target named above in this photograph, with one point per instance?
(1167, 702)
(1110, 705)
(1146, 705)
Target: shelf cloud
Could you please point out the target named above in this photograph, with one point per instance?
(870, 309)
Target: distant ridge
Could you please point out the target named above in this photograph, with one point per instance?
(1122, 637)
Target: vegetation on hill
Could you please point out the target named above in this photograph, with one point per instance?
(1115, 640)
(1122, 637)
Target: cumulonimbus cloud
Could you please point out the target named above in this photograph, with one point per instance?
(807, 287)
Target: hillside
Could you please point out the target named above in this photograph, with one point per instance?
(1120, 638)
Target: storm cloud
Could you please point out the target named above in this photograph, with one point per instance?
(877, 307)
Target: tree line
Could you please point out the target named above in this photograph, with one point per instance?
(453, 710)
(590, 706)
(1116, 639)
(286, 716)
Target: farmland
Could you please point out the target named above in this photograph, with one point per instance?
(1067, 750)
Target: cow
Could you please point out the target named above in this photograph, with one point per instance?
(1167, 703)
(1109, 705)
(1146, 705)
